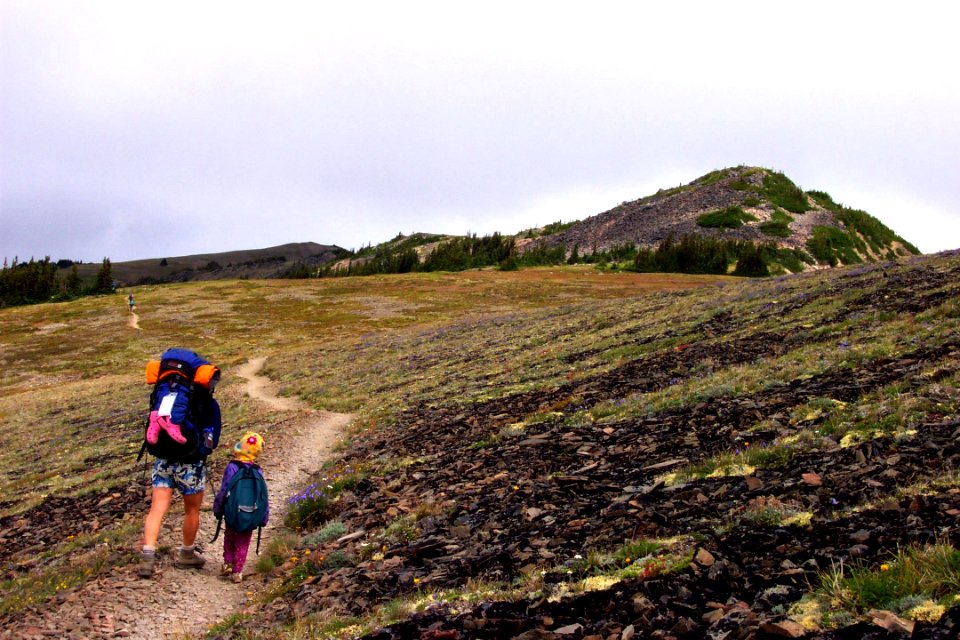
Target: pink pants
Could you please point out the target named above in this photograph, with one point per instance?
(235, 547)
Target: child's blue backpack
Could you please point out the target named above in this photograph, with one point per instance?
(184, 420)
(245, 502)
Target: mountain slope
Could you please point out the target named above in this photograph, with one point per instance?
(683, 465)
(557, 453)
(741, 203)
(270, 262)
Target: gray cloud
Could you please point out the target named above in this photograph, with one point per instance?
(253, 127)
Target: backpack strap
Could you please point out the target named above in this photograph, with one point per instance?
(217, 532)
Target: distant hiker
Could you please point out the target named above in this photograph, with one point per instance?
(130, 302)
(183, 428)
(242, 503)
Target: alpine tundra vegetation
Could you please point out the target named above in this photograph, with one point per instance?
(559, 451)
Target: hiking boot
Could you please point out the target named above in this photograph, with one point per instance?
(147, 566)
(236, 577)
(189, 559)
(226, 570)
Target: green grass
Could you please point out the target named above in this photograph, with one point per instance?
(918, 583)
(714, 177)
(331, 531)
(279, 549)
(778, 225)
(439, 340)
(831, 245)
(729, 218)
(784, 193)
(88, 558)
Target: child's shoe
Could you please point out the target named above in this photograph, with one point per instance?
(153, 428)
(158, 422)
(226, 569)
(237, 577)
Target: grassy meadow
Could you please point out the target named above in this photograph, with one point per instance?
(72, 394)
(72, 391)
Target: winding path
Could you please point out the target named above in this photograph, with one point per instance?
(307, 442)
(180, 602)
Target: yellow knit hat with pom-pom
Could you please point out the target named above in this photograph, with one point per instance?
(249, 447)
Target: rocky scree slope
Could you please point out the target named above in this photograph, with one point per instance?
(776, 211)
(859, 440)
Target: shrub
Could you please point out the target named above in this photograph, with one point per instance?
(875, 232)
(777, 229)
(751, 264)
(279, 549)
(830, 245)
(930, 571)
(331, 531)
(337, 560)
(783, 193)
(713, 177)
(729, 218)
(824, 200)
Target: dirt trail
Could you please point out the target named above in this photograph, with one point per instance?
(178, 602)
(262, 389)
(134, 321)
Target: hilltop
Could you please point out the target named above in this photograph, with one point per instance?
(717, 223)
(271, 262)
(742, 203)
(551, 453)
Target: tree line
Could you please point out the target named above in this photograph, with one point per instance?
(40, 281)
(688, 254)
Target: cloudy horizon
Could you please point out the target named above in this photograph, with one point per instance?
(130, 130)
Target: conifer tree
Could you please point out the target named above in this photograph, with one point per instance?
(104, 278)
(73, 284)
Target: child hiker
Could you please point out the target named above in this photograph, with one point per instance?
(242, 503)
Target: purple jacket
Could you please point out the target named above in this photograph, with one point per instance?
(228, 473)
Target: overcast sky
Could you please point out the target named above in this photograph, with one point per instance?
(136, 130)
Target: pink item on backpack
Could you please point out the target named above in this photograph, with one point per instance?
(158, 422)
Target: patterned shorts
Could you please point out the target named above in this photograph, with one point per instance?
(186, 477)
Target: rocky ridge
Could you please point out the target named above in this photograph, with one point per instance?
(673, 213)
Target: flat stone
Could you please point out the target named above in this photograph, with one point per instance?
(860, 536)
(665, 465)
(704, 558)
(784, 628)
(812, 479)
(891, 622)
(569, 630)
